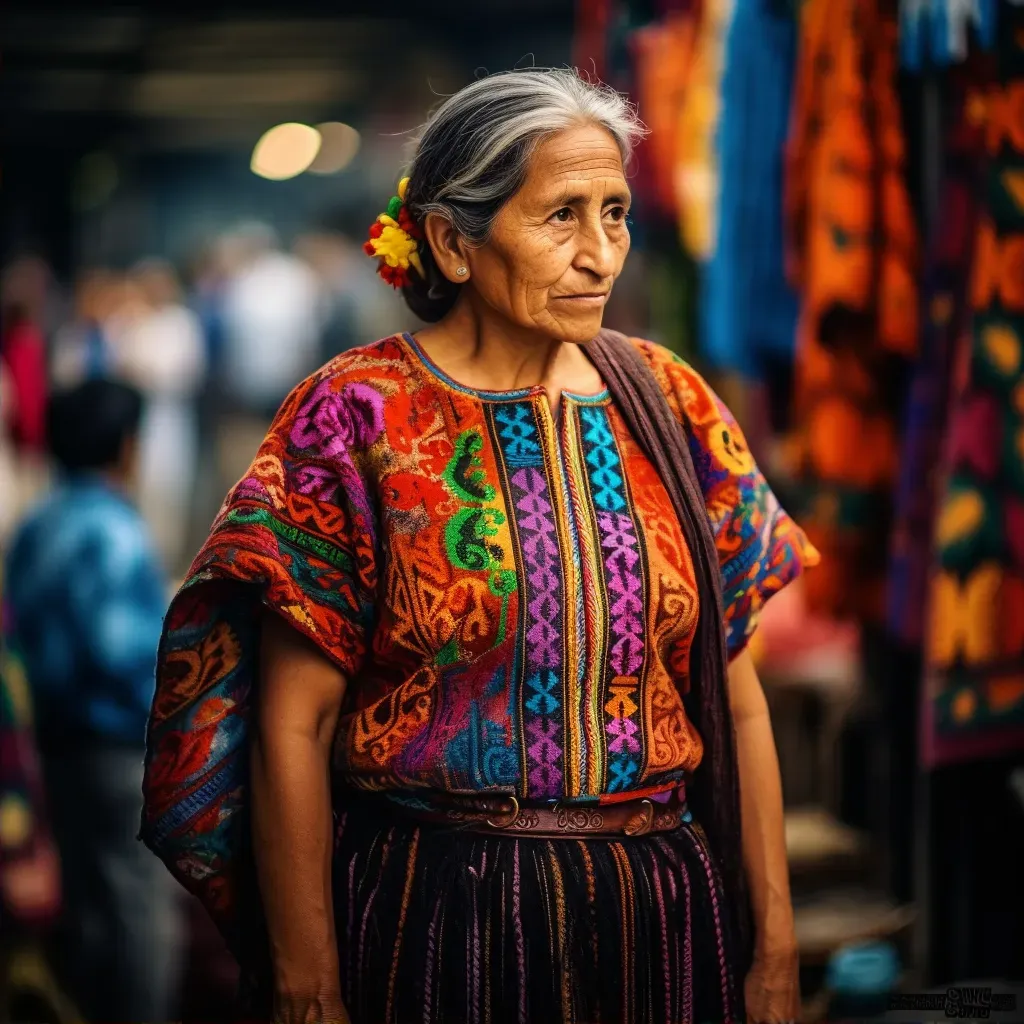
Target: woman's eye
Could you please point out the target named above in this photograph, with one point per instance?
(563, 215)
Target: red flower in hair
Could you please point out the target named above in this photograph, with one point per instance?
(407, 224)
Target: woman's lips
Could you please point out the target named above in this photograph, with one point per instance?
(584, 299)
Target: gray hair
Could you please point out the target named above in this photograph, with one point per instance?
(473, 153)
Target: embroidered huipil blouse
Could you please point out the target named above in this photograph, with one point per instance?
(507, 592)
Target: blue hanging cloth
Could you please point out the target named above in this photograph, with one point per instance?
(748, 309)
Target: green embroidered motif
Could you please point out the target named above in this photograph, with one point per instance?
(469, 530)
(330, 553)
(466, 538)
(503, 583)
(464, 473)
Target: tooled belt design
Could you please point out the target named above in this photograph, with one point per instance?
(504, 815)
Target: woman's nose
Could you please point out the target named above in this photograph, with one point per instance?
(596, 252)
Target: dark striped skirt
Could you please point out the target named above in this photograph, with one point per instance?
(436, 925)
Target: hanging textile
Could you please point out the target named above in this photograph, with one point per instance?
(944, 321)
(975, 646)
(749, 309)
(852, 256)
(696, 165)
(661, 52)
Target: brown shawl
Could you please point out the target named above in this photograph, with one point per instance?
(715, 795)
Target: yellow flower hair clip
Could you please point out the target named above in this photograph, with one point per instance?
(394, 241)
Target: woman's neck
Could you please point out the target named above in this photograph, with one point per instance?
(490, 355)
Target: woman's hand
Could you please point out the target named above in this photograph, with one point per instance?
(772, 988)
(326, 1008)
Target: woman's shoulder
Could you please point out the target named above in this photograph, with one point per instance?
(688, 393)
(342, 407)
(353, 375)
(384, 359)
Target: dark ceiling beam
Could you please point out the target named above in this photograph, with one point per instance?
(163, 72)
(463, 15)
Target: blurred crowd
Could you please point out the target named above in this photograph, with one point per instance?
(129, 407)
(213, 348)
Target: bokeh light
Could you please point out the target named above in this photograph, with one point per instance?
(285, 151)
(338, 147)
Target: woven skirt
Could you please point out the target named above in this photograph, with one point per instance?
(440, 926)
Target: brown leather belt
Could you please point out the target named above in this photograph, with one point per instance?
(504, 815)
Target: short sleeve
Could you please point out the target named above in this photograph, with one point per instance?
(297, 536)
(760, 548)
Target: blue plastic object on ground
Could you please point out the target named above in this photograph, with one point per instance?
(860, 978)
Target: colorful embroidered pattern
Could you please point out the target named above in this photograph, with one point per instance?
(509, 596)
(625, 587)
(544, 625)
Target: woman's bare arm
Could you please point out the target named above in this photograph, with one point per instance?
(299, 701)
(772, 988)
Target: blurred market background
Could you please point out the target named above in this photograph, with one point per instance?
(829, 223)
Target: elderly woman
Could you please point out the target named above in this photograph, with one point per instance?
(421, 739)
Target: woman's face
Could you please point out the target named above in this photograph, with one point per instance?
(559, 243)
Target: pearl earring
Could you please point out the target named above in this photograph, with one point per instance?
(461, 271)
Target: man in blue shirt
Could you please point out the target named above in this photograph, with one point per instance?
(86, 599)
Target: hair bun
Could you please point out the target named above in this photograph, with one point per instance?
(431, 295)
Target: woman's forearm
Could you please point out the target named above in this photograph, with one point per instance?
(763, 828)
(763, 834)
(292, 826)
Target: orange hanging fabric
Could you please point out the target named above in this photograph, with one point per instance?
(662, 54)
(853, 257)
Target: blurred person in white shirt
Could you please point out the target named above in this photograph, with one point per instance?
(273, 317)
(158, 346)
